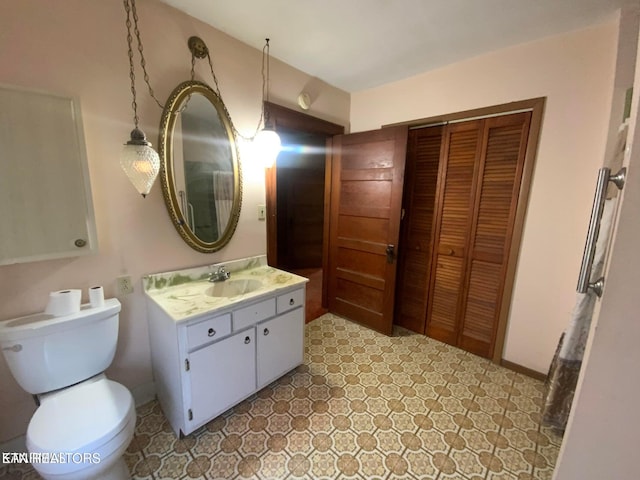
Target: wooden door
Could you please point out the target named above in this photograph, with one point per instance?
(300, 216)
(480, 178)
(497, 188)
(297, 123)
(367, 176)
(414, 257)
(461, 151)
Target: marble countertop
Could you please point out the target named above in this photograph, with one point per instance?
(181, 294)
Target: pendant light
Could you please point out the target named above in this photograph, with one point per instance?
(267, 141)
(139, 161)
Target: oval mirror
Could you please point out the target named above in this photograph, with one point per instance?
(200, 168)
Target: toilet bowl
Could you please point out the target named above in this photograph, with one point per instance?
(86, 427)
(85, 421)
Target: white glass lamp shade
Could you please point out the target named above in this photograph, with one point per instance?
(267, 145)
(140, 162)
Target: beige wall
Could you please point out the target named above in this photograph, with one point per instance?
(78, 48)
(604, 416)
(603, 426)
(575, 72)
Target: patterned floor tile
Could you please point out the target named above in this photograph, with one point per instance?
(362, 406)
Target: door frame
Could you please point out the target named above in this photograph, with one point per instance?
(291, 120)
(536, 106)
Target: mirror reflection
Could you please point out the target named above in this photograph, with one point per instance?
(200, 167)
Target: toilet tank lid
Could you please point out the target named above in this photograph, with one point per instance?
(42, 324)
(81, 418)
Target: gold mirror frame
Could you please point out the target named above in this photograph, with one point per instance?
(167, 176)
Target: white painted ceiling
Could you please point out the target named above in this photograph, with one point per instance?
(357, 44)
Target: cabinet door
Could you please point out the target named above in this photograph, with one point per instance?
(221, 375)
(280, 345)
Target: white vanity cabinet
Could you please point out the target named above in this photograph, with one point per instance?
(205, 365)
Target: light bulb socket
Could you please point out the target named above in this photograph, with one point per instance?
(138, 138)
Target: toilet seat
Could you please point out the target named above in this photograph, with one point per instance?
(81, 419)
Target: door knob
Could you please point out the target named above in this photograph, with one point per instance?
(391, 253)
(247, 340)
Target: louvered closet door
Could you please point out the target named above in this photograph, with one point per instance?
(460, 154)
(414, 256)
(497, 189)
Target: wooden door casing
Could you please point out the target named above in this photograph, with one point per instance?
(286, 119)
(367, 180)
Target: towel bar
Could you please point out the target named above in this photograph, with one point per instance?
(604, 177)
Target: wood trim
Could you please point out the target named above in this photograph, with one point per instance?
(535, 127)
(290, 120)
(271, 193)
(327, 223)
(523, 370)
(503, 108)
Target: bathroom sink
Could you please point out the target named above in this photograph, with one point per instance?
(232, 288)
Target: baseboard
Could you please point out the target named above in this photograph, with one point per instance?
(523, 370)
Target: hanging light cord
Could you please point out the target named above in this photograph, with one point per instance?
(265, 88)
(130, 8)
(132, 75)
(265, 81)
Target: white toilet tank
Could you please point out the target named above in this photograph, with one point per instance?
(45, 353)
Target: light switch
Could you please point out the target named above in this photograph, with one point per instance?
(262, 212)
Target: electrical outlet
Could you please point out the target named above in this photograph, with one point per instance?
(262, 212)
(125, 287)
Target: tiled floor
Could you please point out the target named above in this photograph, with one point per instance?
(364, 406)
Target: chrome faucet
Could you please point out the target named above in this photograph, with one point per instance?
(220, 275)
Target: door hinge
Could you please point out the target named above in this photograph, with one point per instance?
(187, 365)
(190, 414)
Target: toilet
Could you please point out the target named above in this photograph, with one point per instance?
(84, 422)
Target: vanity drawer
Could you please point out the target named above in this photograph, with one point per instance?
(290, 300)
(208, 330)
(247, 316)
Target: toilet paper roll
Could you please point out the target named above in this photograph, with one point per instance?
(63, 302)
(96, 297)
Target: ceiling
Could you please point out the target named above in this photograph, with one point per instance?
(358, 44)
